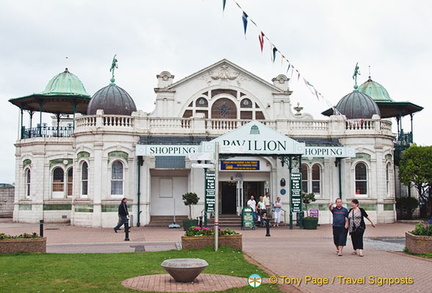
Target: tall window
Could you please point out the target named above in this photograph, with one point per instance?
(316, 179)
(70, 182)
(58, 180)
(304, 171)
(84, 179)
(361, 178)
(387, 179)
(117, 178)
(28, 181)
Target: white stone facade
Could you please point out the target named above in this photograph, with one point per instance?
(204, 105)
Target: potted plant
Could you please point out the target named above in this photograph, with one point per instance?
(189, 199)
(199, 237)
(419, 240)
(308, 221)
(25, 242)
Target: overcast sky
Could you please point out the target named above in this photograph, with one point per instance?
(323, 39)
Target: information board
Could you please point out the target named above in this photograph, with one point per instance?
(210, 184)
(296, 204)
(248, 218)
(240, 165)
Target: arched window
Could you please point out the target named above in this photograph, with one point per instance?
(246, 103)
(361, 178)
(117, 178)
(304, 171)
(202, 102)
(58, 180)
(316, 179)
(84, 178)
(28, 182)
(70, 182)
(224, 109)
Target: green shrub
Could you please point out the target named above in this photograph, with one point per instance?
(423, 229)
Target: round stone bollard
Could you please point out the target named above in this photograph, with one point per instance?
(184, 269)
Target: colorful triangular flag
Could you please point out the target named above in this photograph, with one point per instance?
(261, 41)
(245, 22)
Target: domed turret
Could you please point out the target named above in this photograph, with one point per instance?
(113, 100)
(64, 94)
(65, 83)
(375, 90)
(357, 105)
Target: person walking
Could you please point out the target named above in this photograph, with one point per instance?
(277, 206)
(123, 214)
(340, 225)
(357, 226)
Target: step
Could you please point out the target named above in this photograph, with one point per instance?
(164, 221)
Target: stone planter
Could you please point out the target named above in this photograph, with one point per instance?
(31, 245)
(198, 242)
(418, 244)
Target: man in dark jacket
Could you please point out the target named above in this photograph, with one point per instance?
(123, 214)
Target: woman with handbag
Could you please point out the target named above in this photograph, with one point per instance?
(357, 226)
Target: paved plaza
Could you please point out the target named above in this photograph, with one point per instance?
(305, 260)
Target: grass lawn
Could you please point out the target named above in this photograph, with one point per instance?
(103, 272)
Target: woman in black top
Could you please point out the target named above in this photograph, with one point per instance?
(357, 226)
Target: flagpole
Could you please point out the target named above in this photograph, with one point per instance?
(216, 221)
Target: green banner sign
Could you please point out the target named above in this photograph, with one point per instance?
(296, 205)
(210, 191)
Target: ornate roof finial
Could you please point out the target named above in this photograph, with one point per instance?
(370, 76)
(113, 67)
(356, 73)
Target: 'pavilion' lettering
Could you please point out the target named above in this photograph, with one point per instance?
(257, 145)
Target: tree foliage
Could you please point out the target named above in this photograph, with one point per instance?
(416, 170)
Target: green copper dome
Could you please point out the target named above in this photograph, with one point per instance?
(65, 83)
(64, 94)
(374, 90)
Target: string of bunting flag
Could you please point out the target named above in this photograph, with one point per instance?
(262, 38)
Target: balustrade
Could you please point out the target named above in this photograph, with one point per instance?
(208, 126)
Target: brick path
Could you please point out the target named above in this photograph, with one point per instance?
(292, 253)
(203, 283)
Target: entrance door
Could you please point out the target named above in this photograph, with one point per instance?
(228, 197)
(255, 188)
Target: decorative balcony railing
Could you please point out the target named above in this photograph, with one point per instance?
(200, 126)
(47, 131)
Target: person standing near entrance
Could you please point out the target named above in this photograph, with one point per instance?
(340, 225)
(252, 204)
(277, 211)
(123, 214)
(267, 204)
(261, 209)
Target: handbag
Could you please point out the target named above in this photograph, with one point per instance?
(357, 229)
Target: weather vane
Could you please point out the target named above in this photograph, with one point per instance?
(356, 73)
(113, 67)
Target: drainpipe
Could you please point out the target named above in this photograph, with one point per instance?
(140, 163)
